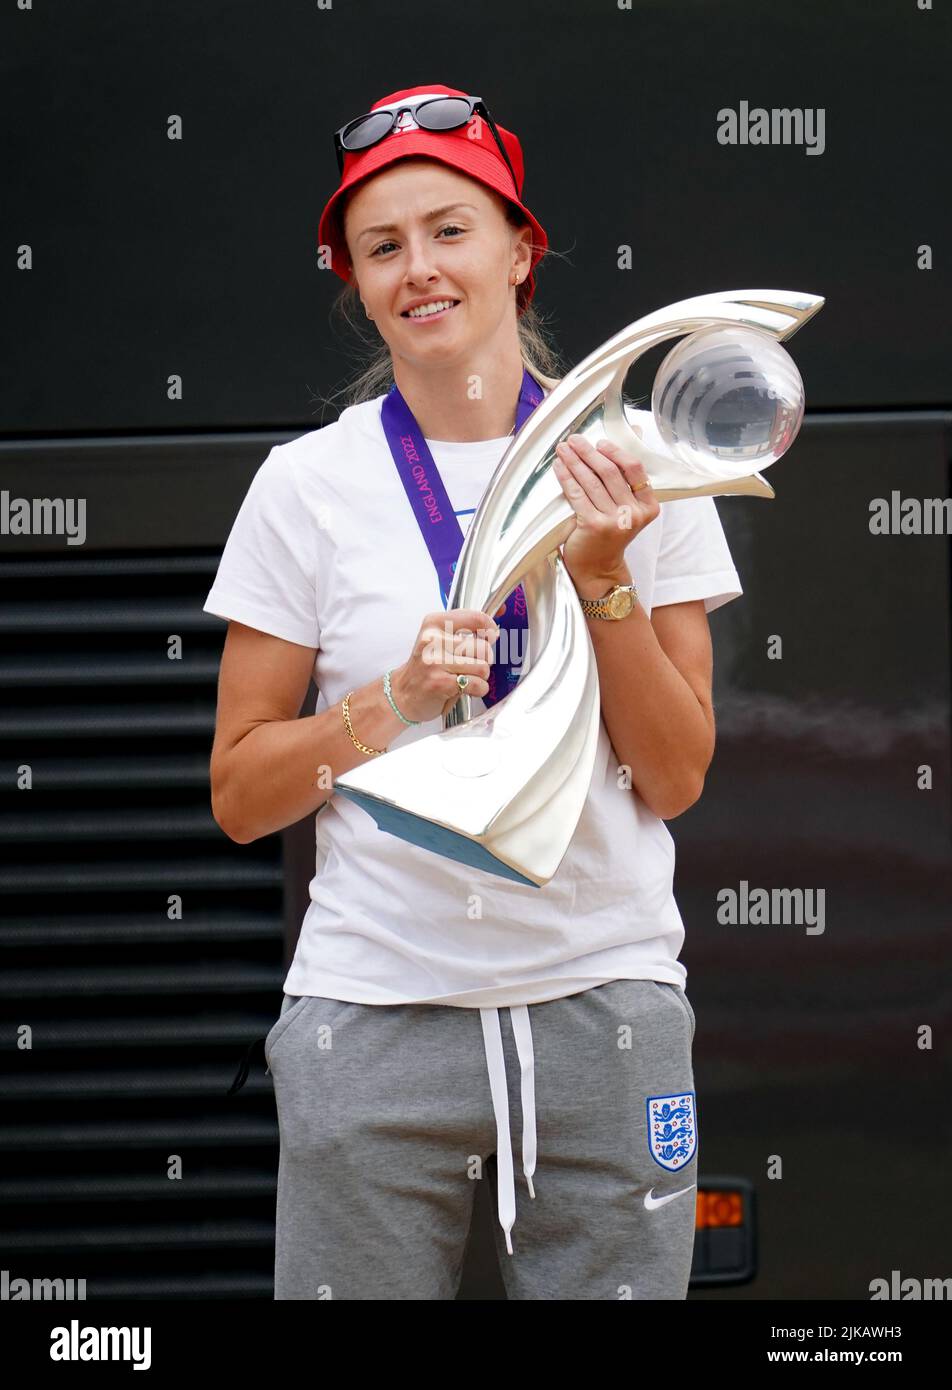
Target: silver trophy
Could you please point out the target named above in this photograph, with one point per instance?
(502, 790)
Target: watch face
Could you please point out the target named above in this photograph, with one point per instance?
(621, 603)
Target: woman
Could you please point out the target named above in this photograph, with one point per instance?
(396, 1075)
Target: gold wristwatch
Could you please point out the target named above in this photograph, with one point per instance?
(617, 603)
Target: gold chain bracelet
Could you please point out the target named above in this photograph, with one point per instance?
(345, 709)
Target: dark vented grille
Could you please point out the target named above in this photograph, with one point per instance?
(139, 1018)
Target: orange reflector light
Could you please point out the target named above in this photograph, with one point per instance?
(719, 1208)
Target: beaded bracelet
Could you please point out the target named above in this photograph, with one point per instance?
(386, 686)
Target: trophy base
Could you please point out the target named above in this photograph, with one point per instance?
(438, 838)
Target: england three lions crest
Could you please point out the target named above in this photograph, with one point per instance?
(672, 1129)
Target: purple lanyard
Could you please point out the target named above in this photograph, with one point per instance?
(438, 522)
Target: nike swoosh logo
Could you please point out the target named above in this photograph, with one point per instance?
(651, 1203)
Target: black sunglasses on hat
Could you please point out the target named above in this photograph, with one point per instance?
(432, 113)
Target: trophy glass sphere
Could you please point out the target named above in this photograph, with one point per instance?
(728, 401)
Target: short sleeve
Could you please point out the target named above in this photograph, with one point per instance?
(694, 560)
(266, 577)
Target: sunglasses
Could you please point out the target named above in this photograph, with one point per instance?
(432, 113)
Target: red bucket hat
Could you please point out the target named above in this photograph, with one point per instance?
(480, 158)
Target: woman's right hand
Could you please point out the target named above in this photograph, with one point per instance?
(451, 642)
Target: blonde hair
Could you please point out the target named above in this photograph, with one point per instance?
(375, 365)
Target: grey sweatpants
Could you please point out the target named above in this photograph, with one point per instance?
(386, 1121)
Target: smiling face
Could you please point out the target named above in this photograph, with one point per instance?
(401, 253)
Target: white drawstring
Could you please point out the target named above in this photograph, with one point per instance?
(523, 1035)
(496, 1064)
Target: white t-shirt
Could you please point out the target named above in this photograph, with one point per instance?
(326, 552)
